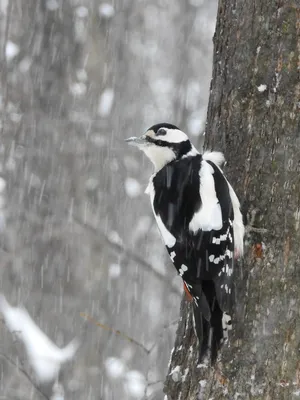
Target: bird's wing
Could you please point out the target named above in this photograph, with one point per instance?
(221, 247)
(193, 208)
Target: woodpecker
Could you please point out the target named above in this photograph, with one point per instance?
(199, 218)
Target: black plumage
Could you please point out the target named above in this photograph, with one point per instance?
(198, 215)
(176, 200)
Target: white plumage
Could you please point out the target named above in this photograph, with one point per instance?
(209, 216)
(238, 226)
(214, 156)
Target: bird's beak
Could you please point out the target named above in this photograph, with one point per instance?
(137, 141)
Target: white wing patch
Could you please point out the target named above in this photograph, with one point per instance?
(238, 225)
(209, 216)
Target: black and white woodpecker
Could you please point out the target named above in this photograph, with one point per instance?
(199, 218)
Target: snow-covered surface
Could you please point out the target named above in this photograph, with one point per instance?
(176, 374)
(203, 383)
(115, 237)
(43, 355)
(262, 88)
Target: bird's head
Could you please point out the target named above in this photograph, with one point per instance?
(163, 143)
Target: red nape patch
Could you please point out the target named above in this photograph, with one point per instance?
(187, 293)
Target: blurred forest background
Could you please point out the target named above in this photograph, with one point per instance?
(77, 232)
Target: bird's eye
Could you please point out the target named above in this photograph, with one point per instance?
(161, 132)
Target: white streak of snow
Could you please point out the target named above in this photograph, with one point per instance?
(2, 185)
(106, 102)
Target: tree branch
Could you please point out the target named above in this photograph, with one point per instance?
(24, 373)
(119, 248)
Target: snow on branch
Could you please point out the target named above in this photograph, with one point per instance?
(43, 355)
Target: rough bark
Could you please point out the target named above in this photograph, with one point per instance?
(253, 117)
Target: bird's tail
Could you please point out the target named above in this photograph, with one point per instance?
(209, 321)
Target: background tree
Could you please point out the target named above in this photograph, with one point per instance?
(254, 118)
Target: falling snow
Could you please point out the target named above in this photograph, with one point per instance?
(106, 10)
(82, 12)
(135, 384)
(114, 271)
(52, 5)
(132, 187)
(2, 185)
(115, 367)
(106, 102)
(77, 233)
(11, 50)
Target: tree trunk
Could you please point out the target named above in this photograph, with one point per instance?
(253, 117)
